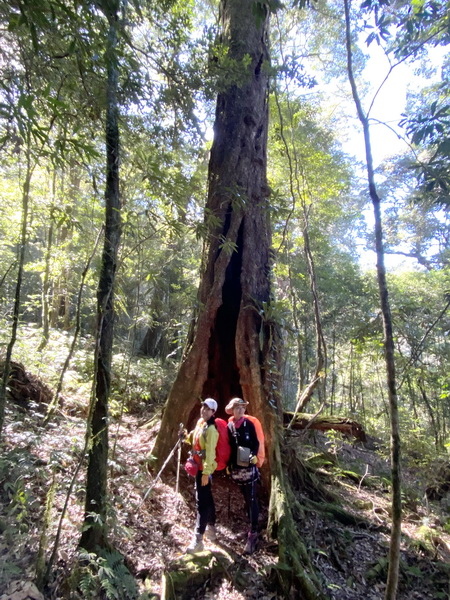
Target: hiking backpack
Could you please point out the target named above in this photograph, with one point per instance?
(261, 456)
(223, 448)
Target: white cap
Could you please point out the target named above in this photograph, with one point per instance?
(211, 403)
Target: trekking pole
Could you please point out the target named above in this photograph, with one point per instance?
(180, 434)
(155, 481)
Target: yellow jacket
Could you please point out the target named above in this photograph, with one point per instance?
(205, 437)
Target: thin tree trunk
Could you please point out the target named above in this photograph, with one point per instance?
(443, 408)
(362, 395)
(333, 375)
(46, 282)
(351, 385)
(304, 395)
(412, 395)
(60, 311)
(52, 406)
(17, 297)
(95, 534)
(298, 337)
(418, 349)
(423, 391)
(394, 547)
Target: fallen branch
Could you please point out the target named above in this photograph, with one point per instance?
(346, 426)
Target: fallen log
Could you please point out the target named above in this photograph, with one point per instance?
(346, 426)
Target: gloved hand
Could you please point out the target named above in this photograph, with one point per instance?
(182, 434)
(253, 460)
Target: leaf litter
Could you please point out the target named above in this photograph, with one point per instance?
(153, 533)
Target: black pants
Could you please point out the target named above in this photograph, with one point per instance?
(206, 510)
(250, 493)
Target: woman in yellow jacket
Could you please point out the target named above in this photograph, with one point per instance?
(204, 441)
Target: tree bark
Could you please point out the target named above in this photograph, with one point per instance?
(95, 534)
(230, 339)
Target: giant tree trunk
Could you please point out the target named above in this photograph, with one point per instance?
(94, 534)
(232, 347)
(230, 341)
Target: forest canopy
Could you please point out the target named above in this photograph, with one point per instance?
(127, 221)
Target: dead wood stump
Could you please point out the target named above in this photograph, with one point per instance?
(441, 486)
(185, 575)
(25, 388)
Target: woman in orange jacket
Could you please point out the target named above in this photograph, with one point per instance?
(247, 453)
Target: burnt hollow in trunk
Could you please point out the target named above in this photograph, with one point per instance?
(223, 373)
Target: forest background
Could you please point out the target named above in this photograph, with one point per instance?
(54, 107)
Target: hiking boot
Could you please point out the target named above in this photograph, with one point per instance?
(211, 533)
(196, 544)
(252, 540)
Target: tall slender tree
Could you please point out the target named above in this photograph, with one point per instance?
(389, 349)
(29, 168)
(95, 533)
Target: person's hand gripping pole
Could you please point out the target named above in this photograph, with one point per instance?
(181, 435)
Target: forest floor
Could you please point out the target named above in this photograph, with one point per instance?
(344, 522)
